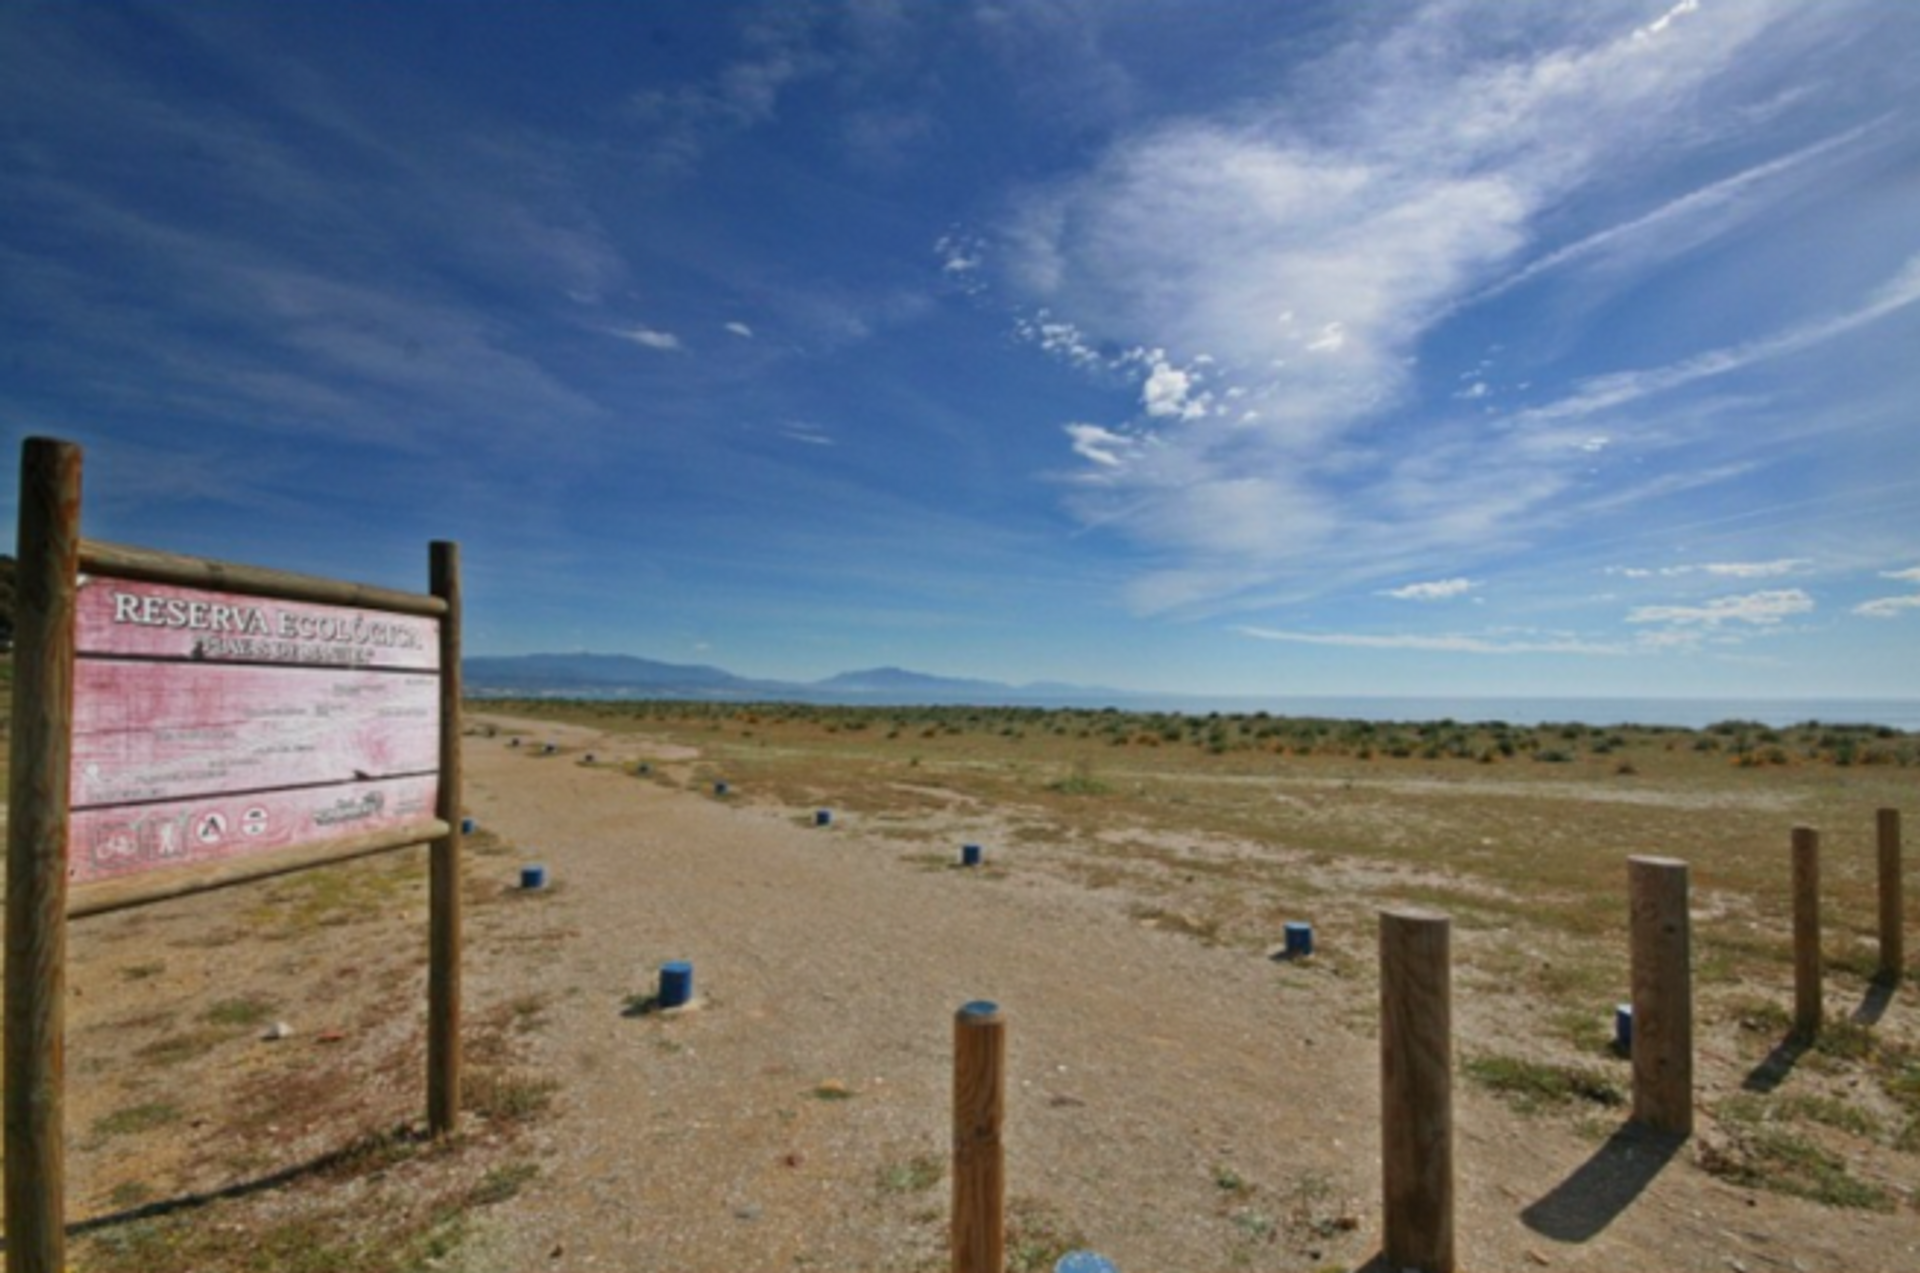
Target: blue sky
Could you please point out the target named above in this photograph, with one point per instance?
(1241, 348)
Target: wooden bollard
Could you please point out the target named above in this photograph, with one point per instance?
(979, 1161)
(1893, 956)
(1807, 1009)
(1662, 994)
(1416, 1090)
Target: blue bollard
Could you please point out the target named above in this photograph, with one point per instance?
(676, 983)
(719, 788)
(823, 817)
(1623, 1028)
(1084, 1262)
(1299, 940)
(466, 826)
(969, 855)
(533, 877)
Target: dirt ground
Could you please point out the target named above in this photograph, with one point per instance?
(1173, 1104)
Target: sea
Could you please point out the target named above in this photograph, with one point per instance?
(1690, 713)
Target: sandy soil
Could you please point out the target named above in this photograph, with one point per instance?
(1173, 1105)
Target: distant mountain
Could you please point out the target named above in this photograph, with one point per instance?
(626, 676)
(892, 680)
(597, 674)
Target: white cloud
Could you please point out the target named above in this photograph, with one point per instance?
(1442, 644)
(648, 337)
(1312, 248)
(1909, 575)
(1756, 569)
(1102, 446)
(810, 434)
(1718, 569)
(1887, 607)
(1062, 340)
(962, 261)
(1169, 391)
(1760, 608)
(1438, 590)
(741, 330)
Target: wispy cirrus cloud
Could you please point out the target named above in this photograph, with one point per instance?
(1762, 609)
(1311, 249)
(1892, 607)
(1450, 643)
(1435, 590)
(1717, 569)
(649, 338)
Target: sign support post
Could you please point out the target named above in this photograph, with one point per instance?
(443, 937)
(37, 827)
(182, 724)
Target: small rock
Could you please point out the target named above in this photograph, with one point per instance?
(278, 1030)
(748, 1212)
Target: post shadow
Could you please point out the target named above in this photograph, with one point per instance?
(1586, 1202)
(1777, 1064)
(367, 1145)
(1874, 1005)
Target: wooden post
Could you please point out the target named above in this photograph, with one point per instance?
(1662, 994)
(979, 1169)
(1807, 1011)
(36, 940)
(1416, 1089)
(443, 938)
(1893, 955)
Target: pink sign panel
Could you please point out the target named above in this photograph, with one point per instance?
(150, 620)
(127, 839)
(209, 725)
(158, 731)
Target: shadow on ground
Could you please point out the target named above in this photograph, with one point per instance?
(1590, 1199)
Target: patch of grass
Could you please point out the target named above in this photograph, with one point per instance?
(141, 972)
(1205, 928)
(832, 1090)
(913, 1175)
(240, 1013)
(508, 1097)
(1765, 1156)
(134, 1119)
(501, 1183)
(1532, 1086)
(177, 1048)
(1227, 1180)
(1037, 1236)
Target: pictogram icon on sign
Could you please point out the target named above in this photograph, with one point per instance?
(254, 821)
(211, 829)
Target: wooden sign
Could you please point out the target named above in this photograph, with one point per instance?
(231, 721)
(208, 725)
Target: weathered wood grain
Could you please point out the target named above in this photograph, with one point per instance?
(1661, 939)
(48, 550)
(174, 731)
(979, 1159)
(122, 840)
(125, 562)
(443, 905)
(1416, 1083)
(1808, 968)
(106, 896)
